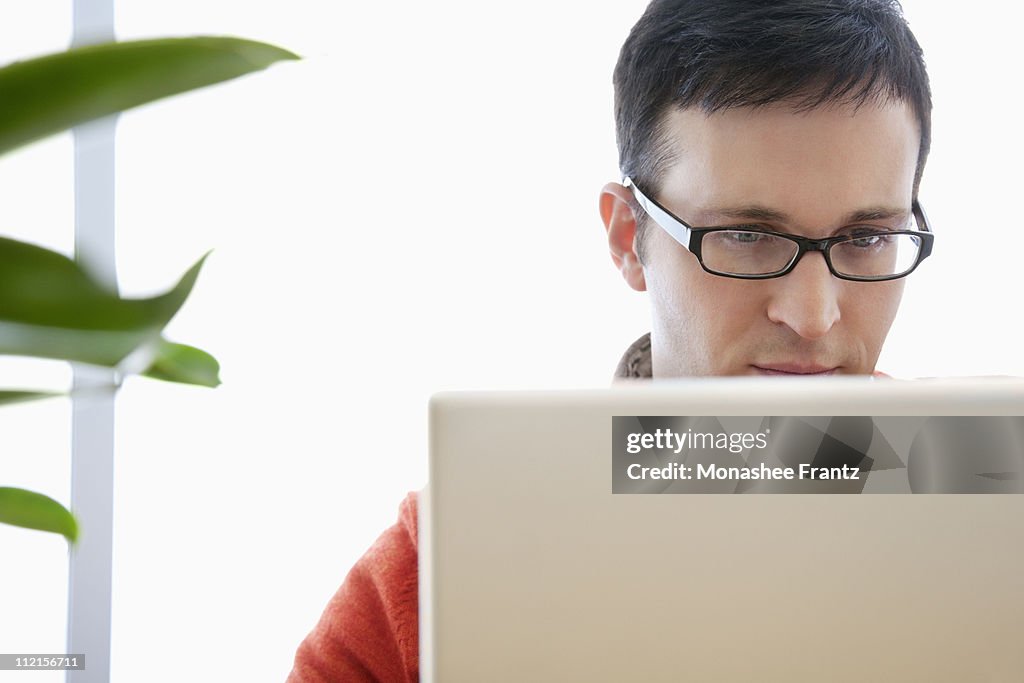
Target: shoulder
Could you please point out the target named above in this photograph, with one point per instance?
(370, 628)
(399, 539)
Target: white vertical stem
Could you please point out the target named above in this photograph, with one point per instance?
(92, 428)
(92, 498)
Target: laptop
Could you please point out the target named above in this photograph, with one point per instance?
(703, 530)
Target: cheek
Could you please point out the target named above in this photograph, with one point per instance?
(675, 286)
(731, 305)
(873, 310)
(706, 309)
(672, 308)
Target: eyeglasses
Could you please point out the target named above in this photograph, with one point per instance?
(863, 254)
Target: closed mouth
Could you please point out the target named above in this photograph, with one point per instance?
(795, 370)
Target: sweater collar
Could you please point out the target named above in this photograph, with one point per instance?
(636, 362)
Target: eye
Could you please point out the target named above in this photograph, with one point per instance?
(746, 235)
(866, 241)
(867, 238)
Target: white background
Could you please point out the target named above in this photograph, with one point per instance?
(412, 208)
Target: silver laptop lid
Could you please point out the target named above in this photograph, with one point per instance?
(533, 569)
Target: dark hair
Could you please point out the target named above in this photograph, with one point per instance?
(721, 54)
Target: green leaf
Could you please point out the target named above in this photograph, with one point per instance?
(49, 94)
(185, 364)
(31, 510)
(15, 396)
(50, 308)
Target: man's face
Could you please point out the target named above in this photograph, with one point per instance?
(814, 170)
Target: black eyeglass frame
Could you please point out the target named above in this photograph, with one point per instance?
(691, 239)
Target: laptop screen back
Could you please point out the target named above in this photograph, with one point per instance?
(533, 569)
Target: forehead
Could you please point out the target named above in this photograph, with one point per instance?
(812, 165)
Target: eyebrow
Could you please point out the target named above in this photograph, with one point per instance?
(756, 212)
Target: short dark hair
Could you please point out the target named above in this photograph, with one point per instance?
(721, 54)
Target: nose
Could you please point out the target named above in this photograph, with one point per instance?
(807, 299)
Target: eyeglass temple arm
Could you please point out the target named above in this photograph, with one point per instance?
(925, 224)
(669, 223)
(681, 233)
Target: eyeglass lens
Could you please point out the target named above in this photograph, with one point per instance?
(736, 252)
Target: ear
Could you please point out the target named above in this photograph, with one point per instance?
(620, 223)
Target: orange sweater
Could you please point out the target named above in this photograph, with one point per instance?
(370, 629)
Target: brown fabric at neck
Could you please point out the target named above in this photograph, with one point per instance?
(636, 362)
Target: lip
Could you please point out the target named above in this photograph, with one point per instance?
(795, 370)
